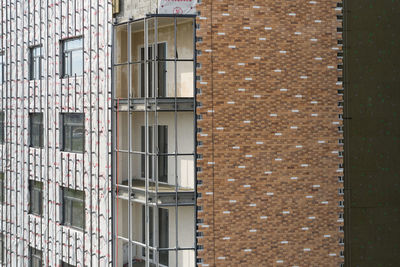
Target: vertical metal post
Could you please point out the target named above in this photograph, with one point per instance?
(176, 141)
(146, 59)
(157, 149)
(195, 136)
(113, 157)
(129, 148)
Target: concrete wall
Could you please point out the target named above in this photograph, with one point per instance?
(136, 9)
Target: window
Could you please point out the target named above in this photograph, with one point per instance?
(36, 196)
(35, 257)
(36, 129)
(72, 132)
(35, 65)
(72, 57)
(2, 191)
(1, 127)
(163, 232)
(1, 248)
(162, 70)
(73, 208)
(162, 150)
(1, 68)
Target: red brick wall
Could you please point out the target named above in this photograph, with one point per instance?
(270, 139)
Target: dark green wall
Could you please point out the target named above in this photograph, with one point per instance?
(372, 132)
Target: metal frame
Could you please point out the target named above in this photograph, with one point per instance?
(34, 187)
(152, 193)
(35, 75)
(70, 199)
(69, 52)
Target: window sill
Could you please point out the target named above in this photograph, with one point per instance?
(73, 152)
(36, 147)
(73, 228)
(37, 216)
(71, 77)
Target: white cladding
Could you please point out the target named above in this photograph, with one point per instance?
(46, 22)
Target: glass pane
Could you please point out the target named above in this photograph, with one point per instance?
(186, 258)
(74, 193)
(136, 80)
(124, 168)
(137, 41)
(166, 36)
(137, 222)
(185, 79)
(121, 44)
(185, 38)
(186, 227)
(162, 79)
(73, 118)
(163, 228)
(67, 64)
(167, 258)
(78, 138)
(137, 256)
(73, 44)
(138, 121)
(151, 226)
(122, 121)
(1, 127)
(36, 51)
(151, 32)
(67, 209)
(185, 165)
(169, 73)
(77, 63)
(185, 132)
(78, 218)
(36, 68)
(35, 135)
(121, 81)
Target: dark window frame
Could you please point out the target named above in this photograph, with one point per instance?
(32, 125)
(35, 257)
(67, 144)
(2, 126)
(2, 72)
(161, 64)
(66, 59)
(2, 248)
(2, 189)
(35, 194)
(35, 74)
(64, 264)
(162, 153)
(68, 207)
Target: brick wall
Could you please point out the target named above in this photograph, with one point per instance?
(268, 89)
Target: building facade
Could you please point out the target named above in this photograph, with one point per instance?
(197, 133)
(55, 154)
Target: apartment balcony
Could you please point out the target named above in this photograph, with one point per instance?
(154, 142)
(170, 237)
(161, 77)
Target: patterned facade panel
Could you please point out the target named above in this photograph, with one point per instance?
(25, 24)
(270, 117)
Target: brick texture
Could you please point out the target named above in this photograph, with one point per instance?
(268, 83)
